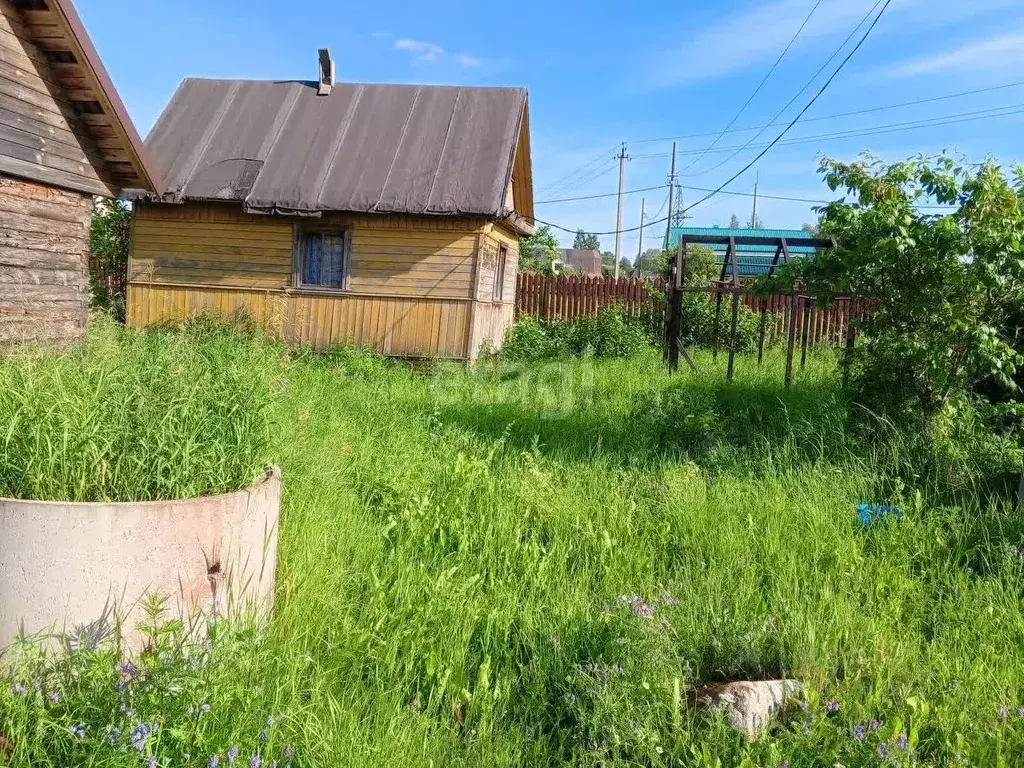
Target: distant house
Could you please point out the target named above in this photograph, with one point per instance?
(581, 260)
(64, 137)
(380, 215)
(753, 260)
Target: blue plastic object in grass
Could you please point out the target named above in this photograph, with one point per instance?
(869, 513)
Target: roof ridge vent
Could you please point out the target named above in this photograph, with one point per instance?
(326, 73)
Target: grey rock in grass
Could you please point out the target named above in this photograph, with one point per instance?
(750, 704)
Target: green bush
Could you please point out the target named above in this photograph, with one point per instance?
(138, 416)
(611, 334)
(699, 323)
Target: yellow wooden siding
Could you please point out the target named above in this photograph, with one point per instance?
(249, 254)
(219, 245)
(393, 325)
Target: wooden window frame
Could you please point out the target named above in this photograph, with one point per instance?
(500, 268)
(301, 230)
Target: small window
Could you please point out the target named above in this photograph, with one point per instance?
(499, 273)
(323, 258)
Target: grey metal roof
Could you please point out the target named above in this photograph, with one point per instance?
(277, 146)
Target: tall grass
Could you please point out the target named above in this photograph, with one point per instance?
(530, 564)
(170, 414)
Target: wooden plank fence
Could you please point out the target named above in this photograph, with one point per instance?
(566, 297)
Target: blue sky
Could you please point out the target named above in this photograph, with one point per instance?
(599, 74)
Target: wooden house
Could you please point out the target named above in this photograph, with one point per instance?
(64, 137)
(378, 215)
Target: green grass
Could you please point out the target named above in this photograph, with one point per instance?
(455, 549)
(170, 414)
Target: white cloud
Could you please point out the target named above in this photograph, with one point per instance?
(467, 61)
(754, 35)
(432, 53)
(423, 52)
(758, 34)
(995, 52)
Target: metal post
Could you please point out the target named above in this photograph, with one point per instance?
(761, 330)
(850, 333)
(791, 345)
(732, 335)
(806, 331)
(675, 310)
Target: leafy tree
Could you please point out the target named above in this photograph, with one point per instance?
(755, 223)
(734, 222)
(651, 262)
(586, 241)
(109, 244)
(947, 288)
(538, 252)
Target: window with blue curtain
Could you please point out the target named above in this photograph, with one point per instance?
(323, 259)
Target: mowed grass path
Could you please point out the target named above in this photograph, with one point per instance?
(530, 565)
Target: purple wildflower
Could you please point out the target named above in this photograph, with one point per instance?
(232, 754)
(1020, 711)
(669, 600)
(254, 761)
(1004, 712)
(54, 697)
(19, 689)
(214, 761)
(264, 736)
(832, 706)
(665, 622)
(288, 752)
(860, 731)
(151, 762)
(882, 749)
(784, 764)
(901, 742)
(875, 725)
(76, 730)
(113, 734)
(204, 707)
(270, 721)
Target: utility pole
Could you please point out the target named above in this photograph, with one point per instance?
(753, 216)
(640, 245)
(618, 217)
(671, 192)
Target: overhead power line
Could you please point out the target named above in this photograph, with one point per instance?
(851, 113)
(605, 155)
(778, 138)
(814, 77)
(800, 114)
(760, 85)
(928, 122)
(595, 197)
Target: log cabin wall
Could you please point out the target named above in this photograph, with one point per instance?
(44, 132)
(44, 244)
(415, 285)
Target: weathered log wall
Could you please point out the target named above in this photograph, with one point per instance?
(44, 243)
